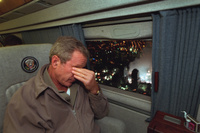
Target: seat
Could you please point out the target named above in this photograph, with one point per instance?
(12, 73)
(20, 63)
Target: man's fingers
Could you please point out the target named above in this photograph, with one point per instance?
(78, 73)
(86, 76)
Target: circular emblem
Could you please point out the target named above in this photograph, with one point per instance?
(29, 64)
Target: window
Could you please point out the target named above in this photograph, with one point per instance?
(124, 64)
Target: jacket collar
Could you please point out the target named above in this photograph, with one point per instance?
(39, 83)
(43, 81)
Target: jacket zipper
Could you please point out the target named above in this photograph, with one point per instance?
(74, 112)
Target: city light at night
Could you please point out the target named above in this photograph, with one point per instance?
(124, 64)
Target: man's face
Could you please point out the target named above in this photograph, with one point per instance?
(63, 73)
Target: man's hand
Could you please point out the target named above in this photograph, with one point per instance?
(87, 77)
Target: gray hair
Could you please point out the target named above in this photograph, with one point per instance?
(65, 46)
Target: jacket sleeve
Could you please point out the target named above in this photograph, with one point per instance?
(99, 105)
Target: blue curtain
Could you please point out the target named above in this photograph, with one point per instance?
(176, 56)
(74, 30)
(48, 35)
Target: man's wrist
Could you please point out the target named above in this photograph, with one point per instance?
(96, 92)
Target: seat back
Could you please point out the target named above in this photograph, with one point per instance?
(18, 64)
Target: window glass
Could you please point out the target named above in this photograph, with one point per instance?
(124, 64)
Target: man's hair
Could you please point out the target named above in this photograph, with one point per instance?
(65, 46)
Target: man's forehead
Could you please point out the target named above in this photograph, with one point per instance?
(78, 59)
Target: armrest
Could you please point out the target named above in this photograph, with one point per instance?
(111, 125)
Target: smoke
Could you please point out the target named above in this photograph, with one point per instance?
(143, 64)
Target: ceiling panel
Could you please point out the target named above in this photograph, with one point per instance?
(13, 15)
(12, 9)
(32, 8)
(54, 2)
(2, 20)
(8, 5)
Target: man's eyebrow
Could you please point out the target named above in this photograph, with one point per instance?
(80, 66)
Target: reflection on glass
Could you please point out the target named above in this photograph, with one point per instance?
(124, 64)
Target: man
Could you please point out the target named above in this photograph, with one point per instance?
(62, 98)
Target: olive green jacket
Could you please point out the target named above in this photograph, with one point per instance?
(37, 107)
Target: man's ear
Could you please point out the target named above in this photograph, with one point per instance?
(55, 61)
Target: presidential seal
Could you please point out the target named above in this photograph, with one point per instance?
(30, 64)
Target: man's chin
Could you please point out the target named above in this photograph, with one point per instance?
(69, 84)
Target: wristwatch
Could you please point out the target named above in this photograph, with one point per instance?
(97, 92)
